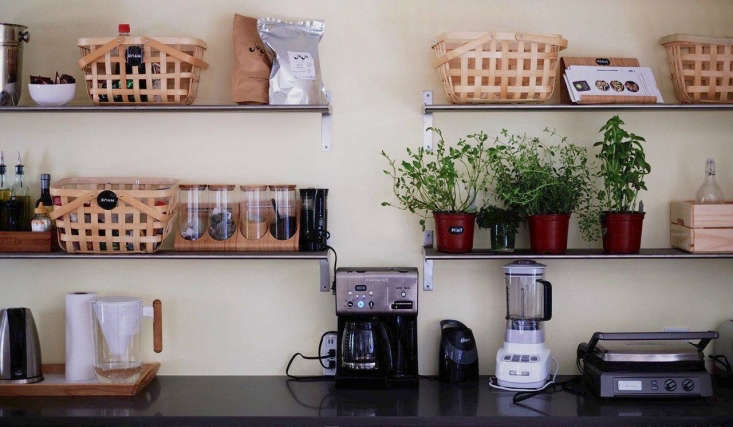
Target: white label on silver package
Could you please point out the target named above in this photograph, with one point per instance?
(302, 65)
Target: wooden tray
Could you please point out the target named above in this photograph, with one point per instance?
(25, 241)
(54, 384)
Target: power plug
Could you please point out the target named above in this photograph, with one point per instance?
(328, 347)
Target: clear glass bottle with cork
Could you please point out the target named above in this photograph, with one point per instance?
(710, 191)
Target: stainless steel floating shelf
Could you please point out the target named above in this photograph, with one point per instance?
(321, 257)
(448, 108)
(432, 255)
(322, 109)
(429, 108)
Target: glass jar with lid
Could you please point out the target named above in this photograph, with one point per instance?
(222, 222)
(284, 224)
(256, 212)
(192, 213)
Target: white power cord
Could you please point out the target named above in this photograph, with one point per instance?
(547, 384)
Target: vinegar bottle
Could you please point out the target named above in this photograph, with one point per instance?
(710, 191)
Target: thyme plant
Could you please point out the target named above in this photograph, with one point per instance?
(447, 179)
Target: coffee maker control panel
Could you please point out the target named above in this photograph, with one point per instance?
(362, 290)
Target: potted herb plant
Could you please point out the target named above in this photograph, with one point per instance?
(623, 166)
(545, 183)
(502, 224)
(444, 182)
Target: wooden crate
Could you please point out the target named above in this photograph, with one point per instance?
(697, 227)
(25, 241)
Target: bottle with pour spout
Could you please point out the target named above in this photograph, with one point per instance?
(18, 208)
(4, 194)
(710, 191)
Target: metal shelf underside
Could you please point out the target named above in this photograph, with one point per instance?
(447, 108)
(432, 255)
(322, 109)
(321, 257)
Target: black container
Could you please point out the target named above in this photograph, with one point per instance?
(314, 219)
(458, 358)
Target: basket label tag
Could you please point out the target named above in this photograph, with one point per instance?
(603, 61)
(302, 65)
(456, 229)
(107, 200)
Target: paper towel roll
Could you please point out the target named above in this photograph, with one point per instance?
(79, 336)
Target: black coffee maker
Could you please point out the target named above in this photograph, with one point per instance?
(314, 219)
(377, 327)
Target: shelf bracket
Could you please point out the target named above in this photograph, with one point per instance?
(325, 275)
(427, 120)
(427, 275)
(326, 126)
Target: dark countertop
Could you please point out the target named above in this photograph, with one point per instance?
(272, 400)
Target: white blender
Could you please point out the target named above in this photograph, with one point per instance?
(524, 363)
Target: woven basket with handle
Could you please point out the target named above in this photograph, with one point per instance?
(138, 222)
(702, 68)
(170, 74)
(498, 67)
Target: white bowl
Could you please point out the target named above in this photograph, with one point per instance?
(52, 95)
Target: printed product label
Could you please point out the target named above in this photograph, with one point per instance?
(107, 200)
(456, 229)
(302, 65)
(603, 61)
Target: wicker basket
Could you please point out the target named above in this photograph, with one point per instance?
(135, 217)
(702, 68)
(169, 74)
(498, 67)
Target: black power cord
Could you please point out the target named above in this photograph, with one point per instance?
(335, 266)
(319, 358)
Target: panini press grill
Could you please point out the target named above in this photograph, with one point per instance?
(646, 364)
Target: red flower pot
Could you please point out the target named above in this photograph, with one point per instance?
(622, 232)
(454, 232)
(548, 234)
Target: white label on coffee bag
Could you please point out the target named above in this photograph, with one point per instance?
(302, 65)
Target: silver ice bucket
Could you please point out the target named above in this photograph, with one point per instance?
(12, 37)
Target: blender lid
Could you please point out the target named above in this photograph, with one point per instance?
(524, 267)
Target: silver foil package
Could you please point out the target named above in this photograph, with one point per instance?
(295, 78)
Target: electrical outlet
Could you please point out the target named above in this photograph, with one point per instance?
(329, 343)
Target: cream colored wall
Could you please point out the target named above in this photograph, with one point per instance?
(245, 317)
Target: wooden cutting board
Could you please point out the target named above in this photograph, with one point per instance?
(54, 384)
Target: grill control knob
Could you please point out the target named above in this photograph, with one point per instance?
(688, 384)
(670, 385)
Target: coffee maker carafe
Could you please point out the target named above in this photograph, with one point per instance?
(377, 327)
(524, 361)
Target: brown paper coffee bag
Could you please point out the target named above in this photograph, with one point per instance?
(251, 71)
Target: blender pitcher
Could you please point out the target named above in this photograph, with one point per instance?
(117, 325)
